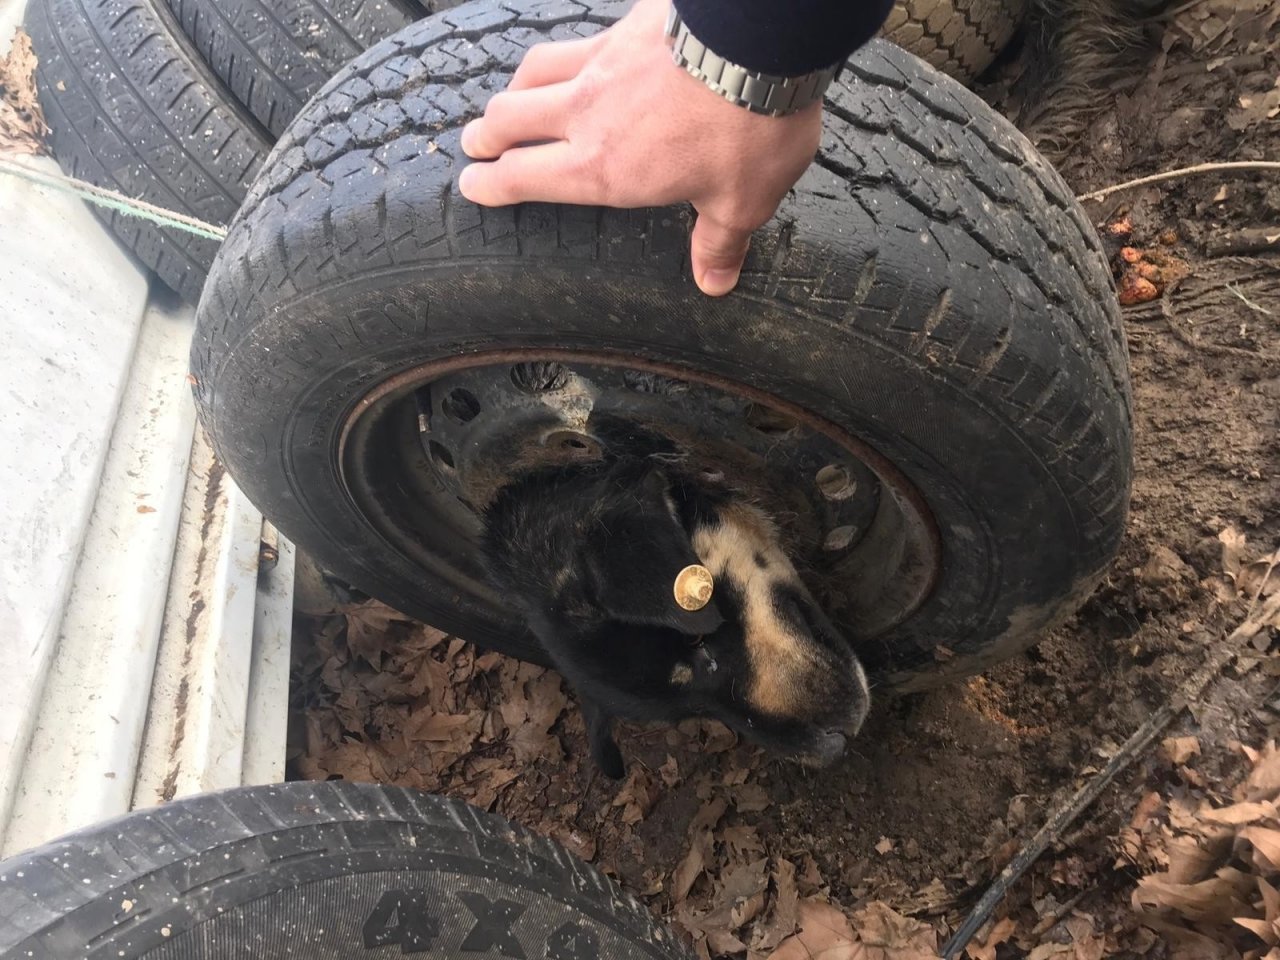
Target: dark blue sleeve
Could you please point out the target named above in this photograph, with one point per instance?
(784, 37)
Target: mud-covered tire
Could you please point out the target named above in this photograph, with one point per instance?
(317, 870)
(275, 54)
(134, 108)
(959, 37)
(929, 286)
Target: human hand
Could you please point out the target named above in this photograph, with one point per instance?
(613, 121)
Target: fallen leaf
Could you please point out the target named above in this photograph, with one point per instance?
(690, 869)
(751, 798)
(824, 934)
(891, 936)
(22, 124)
(1266, 847)
(984, 948)
(1239, 813)
(1178, 750)
(786, 902)
(1216, 900)
(637, 796)
(884, 845)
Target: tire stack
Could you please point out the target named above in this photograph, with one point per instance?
(178, 102)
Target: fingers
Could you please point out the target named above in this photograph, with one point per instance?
(548, 173)
(718, 253)
(551, 63)
(511, 119)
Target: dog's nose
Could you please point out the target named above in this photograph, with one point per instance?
(828, 747)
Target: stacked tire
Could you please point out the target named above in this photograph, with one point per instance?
(178, 102)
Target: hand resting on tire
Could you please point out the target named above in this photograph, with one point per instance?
(612, 121)
(590, 555)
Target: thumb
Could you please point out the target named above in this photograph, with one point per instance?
(717, 254)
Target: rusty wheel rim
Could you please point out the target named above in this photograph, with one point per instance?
(423, 452)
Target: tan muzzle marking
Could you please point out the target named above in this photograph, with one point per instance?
(693, 587)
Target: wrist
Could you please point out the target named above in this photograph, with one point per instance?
(759, 92)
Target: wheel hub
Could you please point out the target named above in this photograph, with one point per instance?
(857, 530)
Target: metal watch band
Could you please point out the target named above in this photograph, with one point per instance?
(758, 92)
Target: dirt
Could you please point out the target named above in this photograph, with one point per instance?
(943, 787)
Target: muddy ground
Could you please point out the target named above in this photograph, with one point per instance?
(741, 850)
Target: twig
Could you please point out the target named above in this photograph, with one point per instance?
(1076, 803)
(1053, 916)
(1179, 173)
(1247, 302)
(1215, 349)
(1249, 240)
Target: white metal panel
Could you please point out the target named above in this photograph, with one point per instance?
(199, 700)
(69, 319)
(79, 768)
(266, 726)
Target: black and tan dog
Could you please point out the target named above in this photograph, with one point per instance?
(609, 563)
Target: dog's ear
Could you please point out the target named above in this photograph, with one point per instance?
(633, 556)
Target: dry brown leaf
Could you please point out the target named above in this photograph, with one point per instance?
(690, 869)
(369, 630)
(751, 798)
(1178, 750)
(1239, 813)
(891, 936)
(884, 845)
(670, 772)
(708, 817)
(1264, 931)
(1263, 782)
(742, 840)
(824, 934)
(1270, 900)
(1186, 944)
(786, 902)
(1192, 859)
(1216, 900)
(638, 795)
(22, 124)
(984, 948)
(1266, 846)
(1233, 544)
(724, 944)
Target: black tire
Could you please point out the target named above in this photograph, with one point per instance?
(930, 286)
(317, 870)
(275, 54)
(959, 37)
(134, 108)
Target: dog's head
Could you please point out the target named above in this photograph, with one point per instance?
(616, 612)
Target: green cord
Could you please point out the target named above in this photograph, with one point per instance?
(111, 200)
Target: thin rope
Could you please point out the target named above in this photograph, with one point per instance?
(112, 200)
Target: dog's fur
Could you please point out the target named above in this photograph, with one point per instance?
(590, 553)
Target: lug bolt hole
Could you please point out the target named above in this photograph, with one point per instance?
(572, 445)
(440, 453)
(835, 483)
(461, 406)
(838, 539)
(769, 421)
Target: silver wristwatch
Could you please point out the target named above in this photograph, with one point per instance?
(758, 92)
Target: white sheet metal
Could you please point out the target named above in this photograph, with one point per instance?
(79, 768)
(69, 318)
(199, 701)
